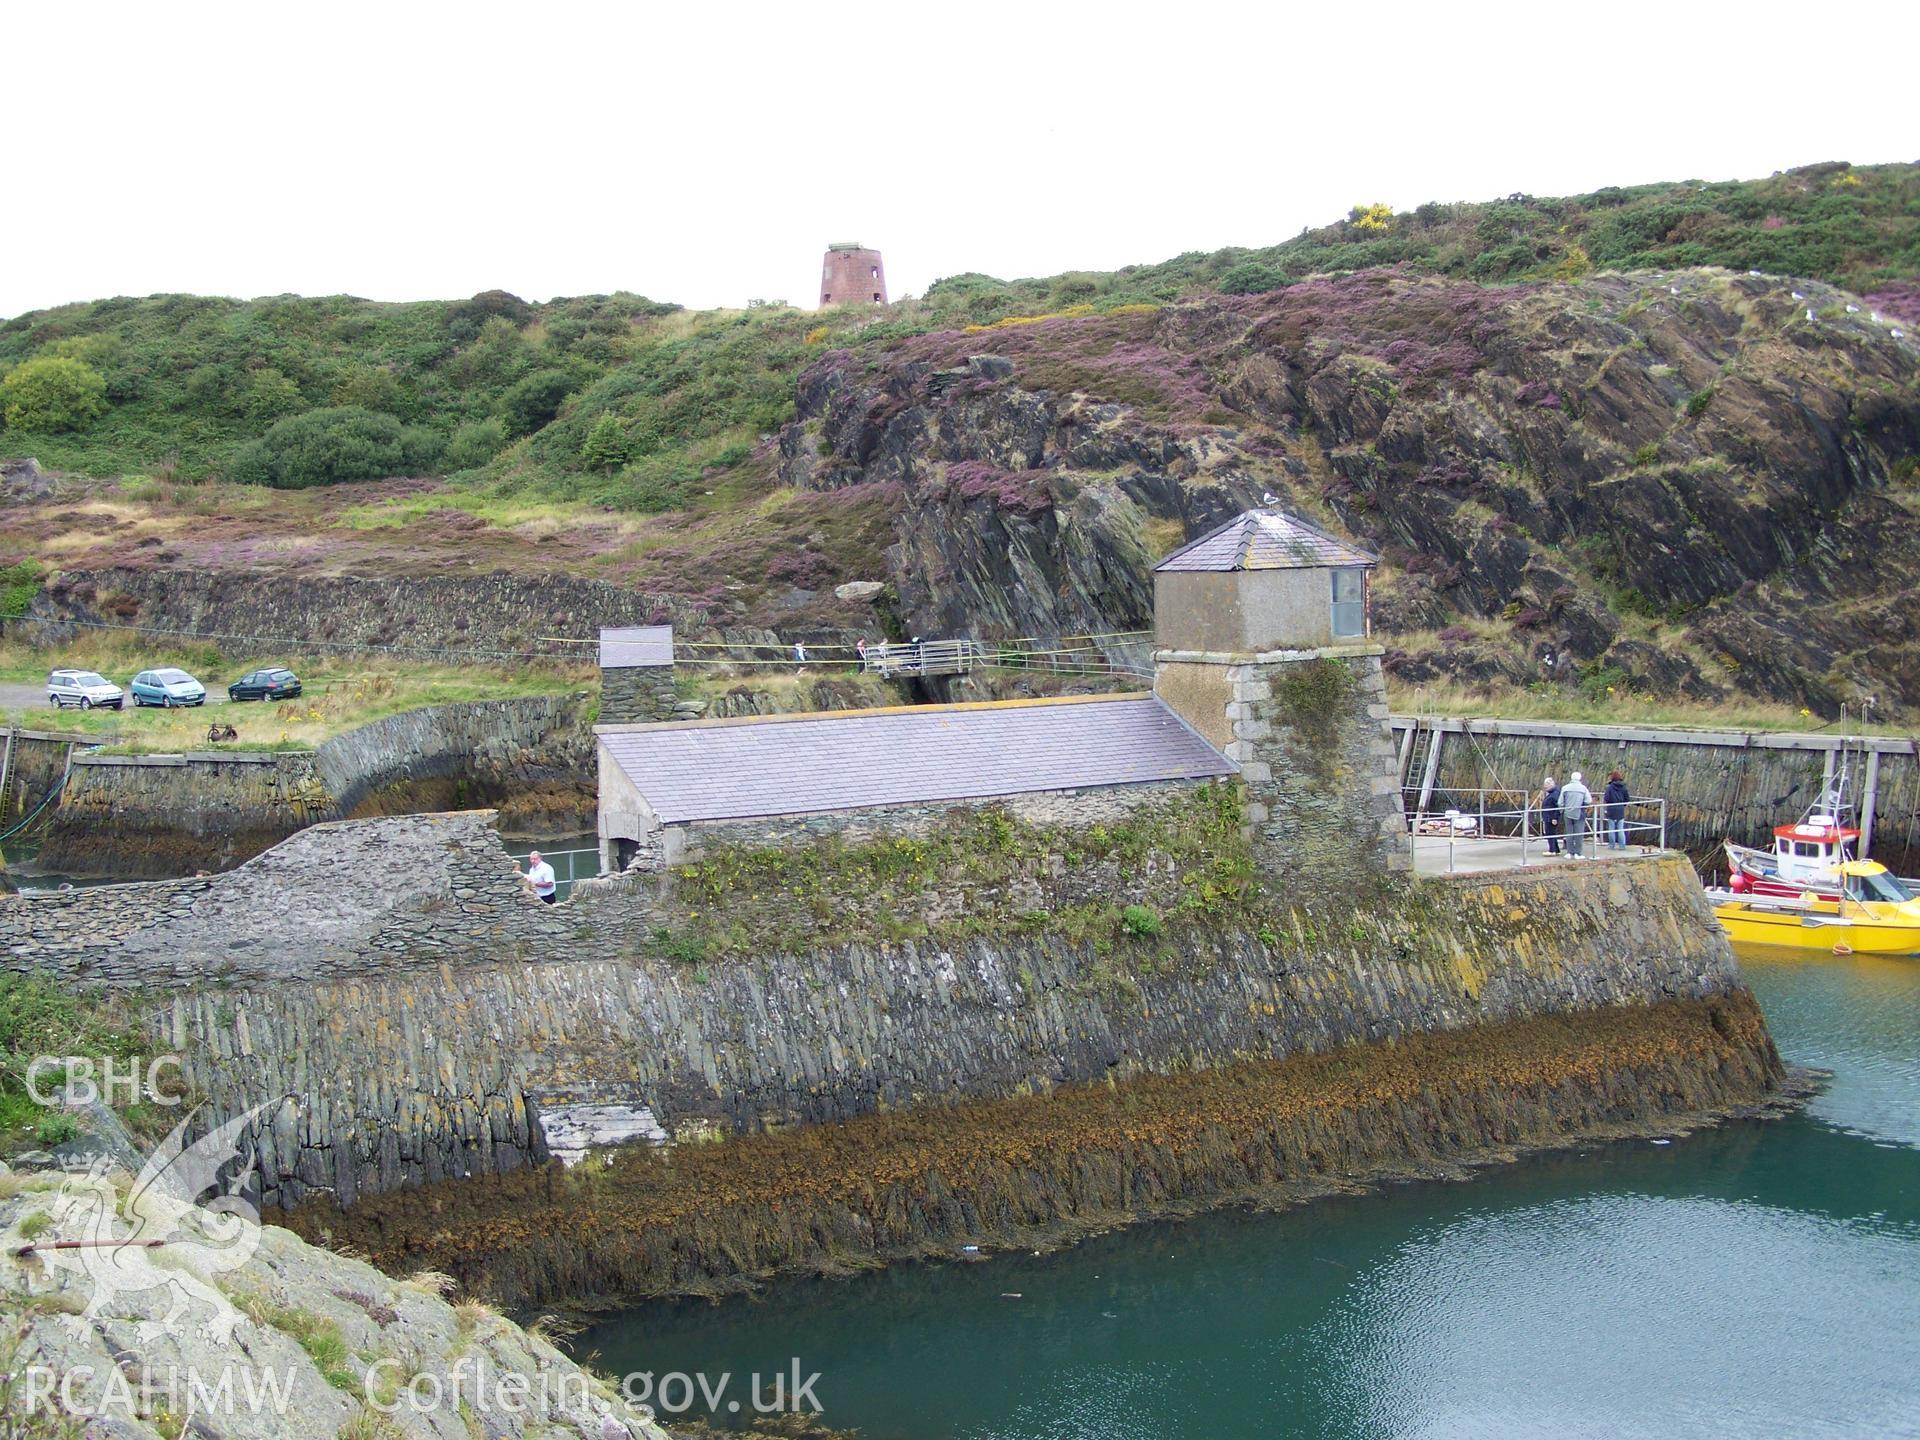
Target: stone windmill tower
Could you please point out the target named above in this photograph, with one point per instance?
(851, 274)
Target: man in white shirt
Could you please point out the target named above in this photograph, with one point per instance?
(540, 876)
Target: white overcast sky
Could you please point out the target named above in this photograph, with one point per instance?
(706, 153)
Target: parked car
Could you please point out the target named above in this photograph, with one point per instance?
(167, 688)
(83, 689)
(274, 683)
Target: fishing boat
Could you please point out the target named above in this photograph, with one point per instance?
(1873, 914)
(1807, 855)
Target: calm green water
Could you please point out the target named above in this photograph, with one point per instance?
(1762, 1279)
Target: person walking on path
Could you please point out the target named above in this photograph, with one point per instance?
(1616, 798)
(1575, 801)
(540, 877)
(1550, 815)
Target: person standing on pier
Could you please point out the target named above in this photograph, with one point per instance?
(1616, 798)
(1575, 803)
(1550, 815)
(540, 878)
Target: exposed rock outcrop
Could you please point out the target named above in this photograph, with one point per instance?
(1700, 482)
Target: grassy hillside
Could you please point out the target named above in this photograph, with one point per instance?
(1855, 227)
(622, 402)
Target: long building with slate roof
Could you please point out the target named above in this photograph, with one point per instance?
(1259, 583)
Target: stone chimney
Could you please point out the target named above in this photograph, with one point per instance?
(1263, 644)
(636, 674)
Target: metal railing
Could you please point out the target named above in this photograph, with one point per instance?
(1476, 821)
(961, 657)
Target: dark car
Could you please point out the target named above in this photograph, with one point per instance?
(271, 684)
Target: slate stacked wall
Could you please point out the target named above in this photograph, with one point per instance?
(415, 1024)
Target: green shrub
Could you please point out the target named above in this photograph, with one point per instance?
(18, 585)
(532, 403)
(271, 396)
(369, 388)
(605, 448)
(1250, 277)
(475, 443)
(1140, 921)
(52, 393)
(326, 447)
(56, 1130)
(1698, 402)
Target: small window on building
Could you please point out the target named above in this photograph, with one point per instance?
(825, 296)
(876, 297)
(1349, 602)
(876, 272)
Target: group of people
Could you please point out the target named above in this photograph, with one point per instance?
(1566, 814)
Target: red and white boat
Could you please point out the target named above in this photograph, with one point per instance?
(1807, 855)
(1805, 859)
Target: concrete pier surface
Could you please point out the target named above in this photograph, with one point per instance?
(1466, 855)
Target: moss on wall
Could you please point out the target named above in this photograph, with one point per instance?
(1182, 857)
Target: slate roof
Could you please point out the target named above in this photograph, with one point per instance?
(1265, 540)
(798, 764)
(636, 645)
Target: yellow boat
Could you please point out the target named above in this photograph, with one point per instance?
(1874, 915)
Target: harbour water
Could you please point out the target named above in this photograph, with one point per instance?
(1757, 1279)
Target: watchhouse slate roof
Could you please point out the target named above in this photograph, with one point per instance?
(799, 764)
(636, 645)
(1265, 540)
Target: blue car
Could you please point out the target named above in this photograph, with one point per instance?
(167, 688)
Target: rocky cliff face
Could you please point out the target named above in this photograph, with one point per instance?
(1698, 481)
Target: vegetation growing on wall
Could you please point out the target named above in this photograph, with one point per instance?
(1178, 861)
(38, 1017)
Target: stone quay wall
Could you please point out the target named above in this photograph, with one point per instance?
(424, 617)
(416, 1013)
(211, 810)
(1718, 785)
(33, 762)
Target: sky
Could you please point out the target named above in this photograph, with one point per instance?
(708, 153)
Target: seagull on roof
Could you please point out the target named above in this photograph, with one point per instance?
(1269, 499)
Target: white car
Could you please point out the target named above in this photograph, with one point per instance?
(83, 689)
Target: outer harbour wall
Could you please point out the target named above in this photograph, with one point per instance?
(415, 1018)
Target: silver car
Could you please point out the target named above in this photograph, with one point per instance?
(82, 690)
(167, 688)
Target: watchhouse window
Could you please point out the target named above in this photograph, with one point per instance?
(876, 272)
(1349, 602)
